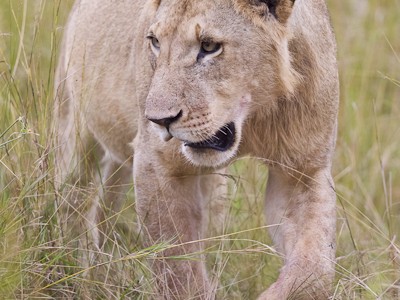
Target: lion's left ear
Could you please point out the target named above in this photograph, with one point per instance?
(280, 9)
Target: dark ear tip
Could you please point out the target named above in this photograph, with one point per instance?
(280, 9)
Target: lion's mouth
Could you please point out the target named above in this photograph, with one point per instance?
(221, 141)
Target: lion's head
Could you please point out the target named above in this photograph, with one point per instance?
(215, 63)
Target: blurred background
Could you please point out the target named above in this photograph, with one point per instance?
(34, 261)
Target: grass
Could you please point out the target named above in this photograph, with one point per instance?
(366, 172)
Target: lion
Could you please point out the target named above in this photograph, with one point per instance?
(170, 92)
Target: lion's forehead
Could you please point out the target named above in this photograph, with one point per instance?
(177, 16)
(187, 7)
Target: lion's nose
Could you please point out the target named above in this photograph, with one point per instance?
(166, 121)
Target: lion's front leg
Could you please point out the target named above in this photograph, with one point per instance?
(170, 208)
(304, 209)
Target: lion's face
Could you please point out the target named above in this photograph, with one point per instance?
(212, 68)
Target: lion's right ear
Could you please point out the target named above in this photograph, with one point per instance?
(280, 9)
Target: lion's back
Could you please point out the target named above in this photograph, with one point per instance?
(96, 64)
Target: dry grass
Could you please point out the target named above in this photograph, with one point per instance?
(366, 170)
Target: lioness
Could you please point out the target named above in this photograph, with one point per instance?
(173, 90)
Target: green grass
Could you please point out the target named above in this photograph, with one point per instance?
(366, 171)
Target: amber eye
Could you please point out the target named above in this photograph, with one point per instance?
(209, 50)
(210, 47)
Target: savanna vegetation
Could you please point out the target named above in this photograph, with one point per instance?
(35, 261)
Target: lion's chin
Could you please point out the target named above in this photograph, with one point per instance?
(208, 157)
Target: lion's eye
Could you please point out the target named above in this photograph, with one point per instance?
(209, 50)
(155, 44)
(210, 47)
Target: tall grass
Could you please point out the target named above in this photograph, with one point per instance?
(366, 171)
(368, 151)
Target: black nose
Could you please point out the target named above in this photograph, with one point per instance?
(166, 121)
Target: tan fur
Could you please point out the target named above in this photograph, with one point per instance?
(276, 79)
